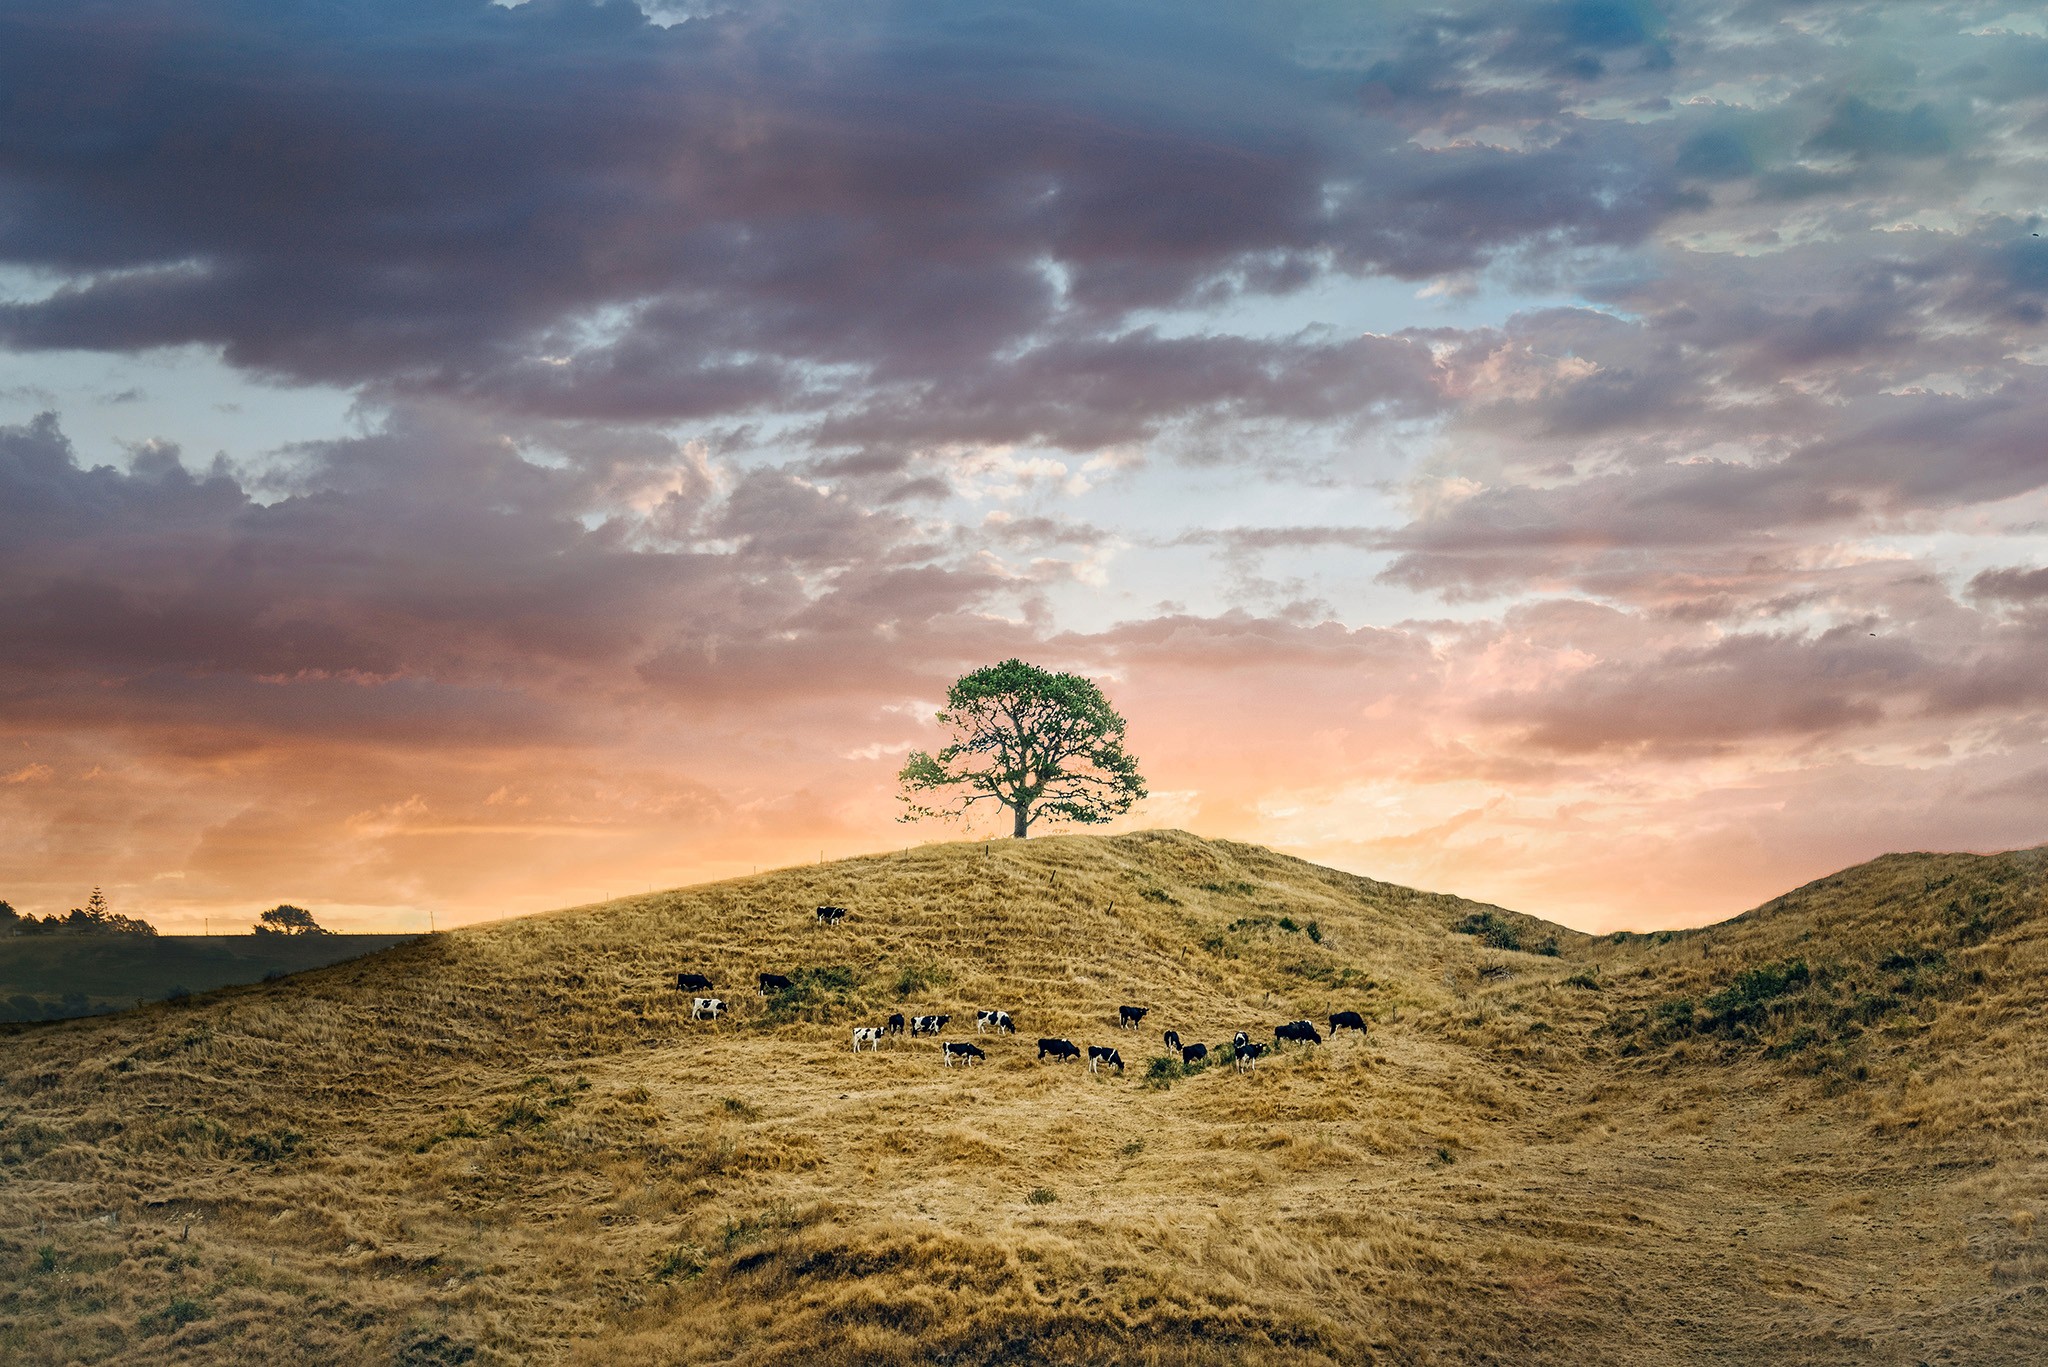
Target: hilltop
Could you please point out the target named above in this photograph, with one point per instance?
(1813, 1132)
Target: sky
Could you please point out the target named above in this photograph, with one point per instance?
(465, 458)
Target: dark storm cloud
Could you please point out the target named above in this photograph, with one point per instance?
(563, 208)
(429, 581)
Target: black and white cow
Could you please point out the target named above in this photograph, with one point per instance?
(1060, 1049)
(1128, 1017)
(998, 1021)
(1300, 1032)
(831, 916)
(706, 1008)
(928, 1025)
(895, 1025)
(962, 1050)
(1172, 1038)
(692, 982)
(1240, 1040)
(1247, 1053)
(1104, 1056)
(1194, 1053)
(774, 982)
(870, 1035)
(1346, 1020)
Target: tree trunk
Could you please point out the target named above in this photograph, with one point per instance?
(1023, 811)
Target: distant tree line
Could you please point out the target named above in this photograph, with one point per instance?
(94, 918)
(97, 918)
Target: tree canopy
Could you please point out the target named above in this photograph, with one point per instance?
(289, 920)
(1040, 744)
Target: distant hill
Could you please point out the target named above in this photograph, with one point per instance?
(1813, 1133)
(52, 977)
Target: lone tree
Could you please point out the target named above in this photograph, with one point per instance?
(1038, 743)
(289, 920)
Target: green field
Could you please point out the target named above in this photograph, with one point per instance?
(59, 976)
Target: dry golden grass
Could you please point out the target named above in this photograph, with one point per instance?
(509, 1144)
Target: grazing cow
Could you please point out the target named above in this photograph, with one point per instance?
(928, 1025)
(1172, 1038)
(1301, 1032)
(706, 1008)
(1128, 1017)
(1104, 1056)
(1194, 1053)
(831, 916)
(965, 1052)
(1246, 1053)
(1239, 1040)
(895, 1025)
(998, 1021)
(774, 982)
(870, 1035)
(1060, 1049)
(692, 982)
(1346, 1020)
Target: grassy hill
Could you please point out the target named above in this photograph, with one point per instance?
(1813, 1133)
(49, 977)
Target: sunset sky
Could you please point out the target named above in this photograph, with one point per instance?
(1588, 456)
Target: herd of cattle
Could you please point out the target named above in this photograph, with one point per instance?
(1244, 1049)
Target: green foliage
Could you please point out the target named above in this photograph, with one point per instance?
(1040, 744)
(1162, 1072)
(1159, 895)
(684, 1262)
(270, 1148)
(1042, 1196)
(917, 979)
(1315, 932)
(1491, 930)
(1585, 978)
(285, 919)
(181, 1311)
(46, 1258)
(813, 992)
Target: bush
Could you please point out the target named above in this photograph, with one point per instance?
(1042, 1196)
(1162, 1072)
(1315, 932)
(1585, 978)
(1490, 929)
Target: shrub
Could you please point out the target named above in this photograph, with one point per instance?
(1162, 1072)
(1042, 1196)
(180, 1312)
(1159, 895)
(1585, 978)
(1490, 929)
(1315, 932)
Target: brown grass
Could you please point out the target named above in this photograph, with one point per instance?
(509, 1144)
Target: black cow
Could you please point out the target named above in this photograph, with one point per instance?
(692, 982)
(1246, 1053)
(1301, 1032)
(1104, 1056)
(1194, 1053)
(1060, 1049)
(928, 1025)
(998, 1021)
(1172, 1038)
(774, 982)
(1346, 1020)
(831, 916)
(895, 1025)
(960, 1049)
(1128, 1016)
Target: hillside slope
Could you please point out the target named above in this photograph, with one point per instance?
(510, 1144)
